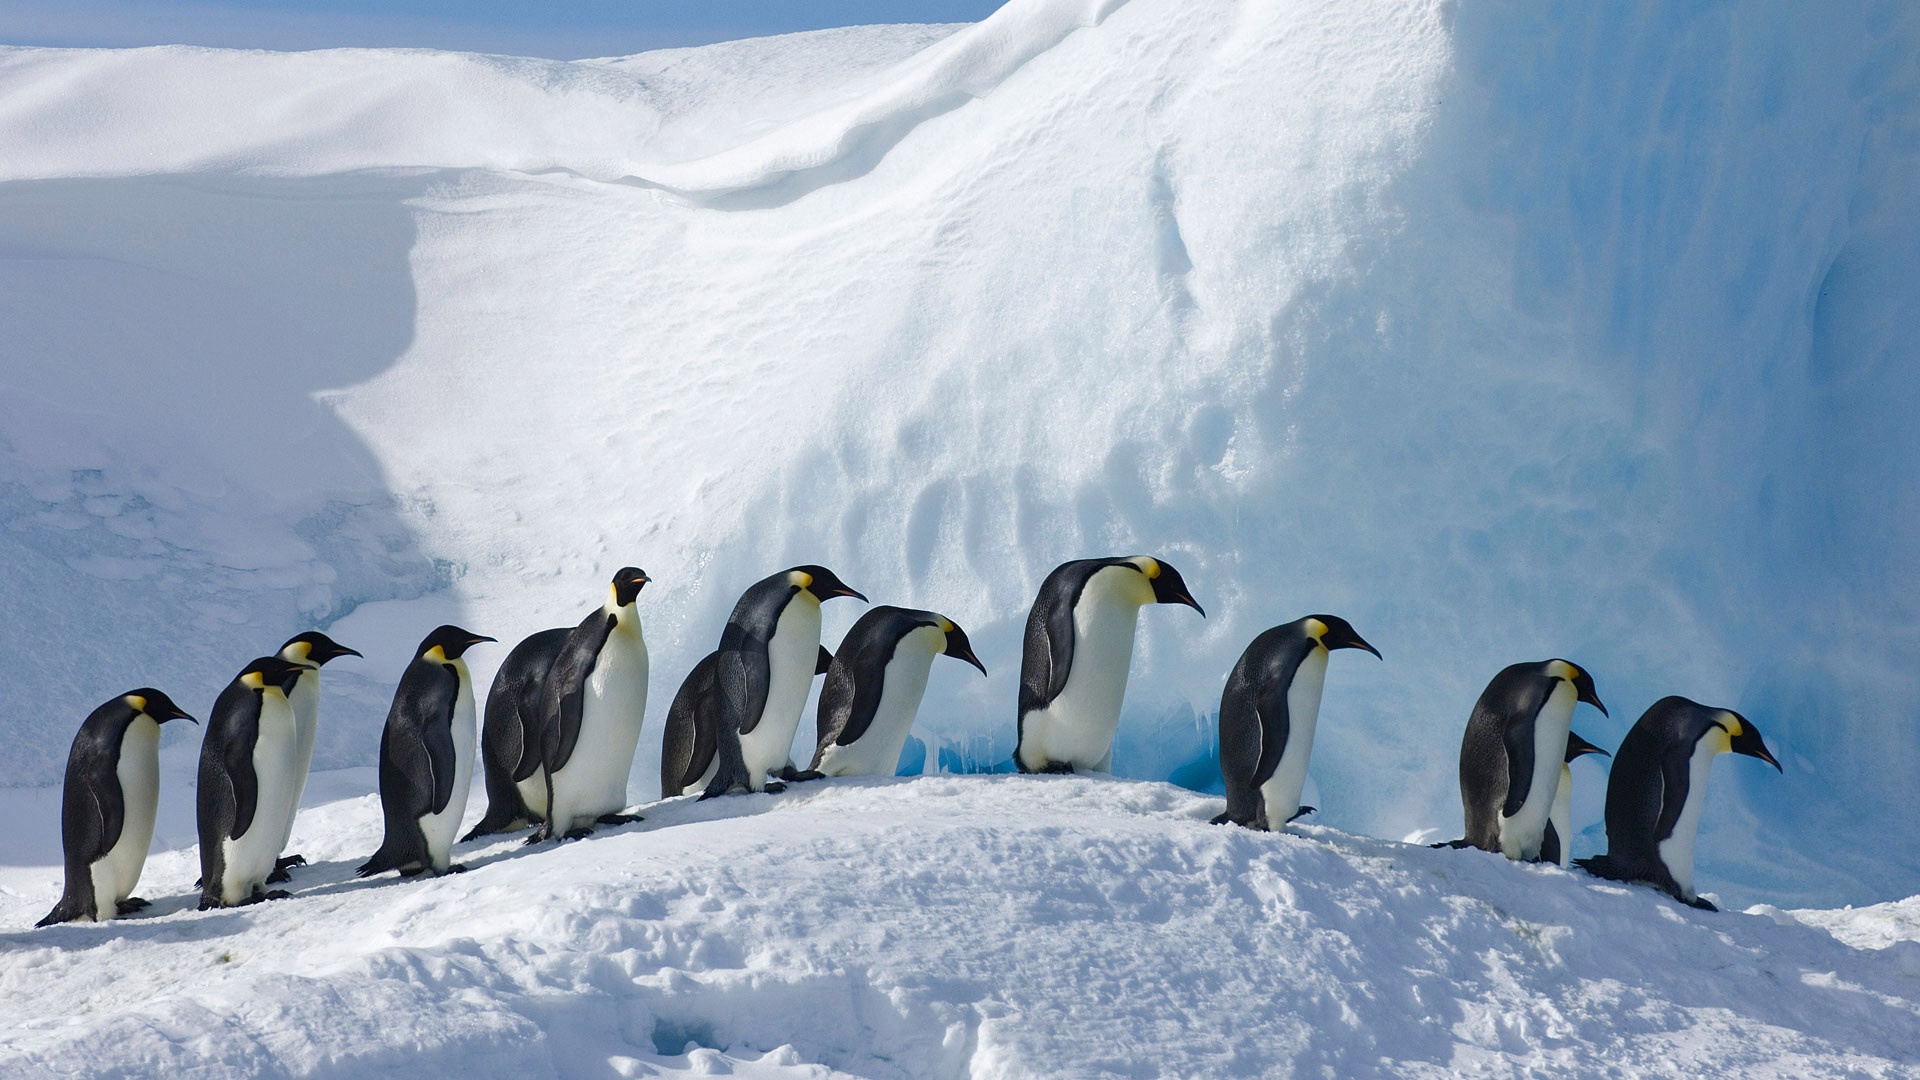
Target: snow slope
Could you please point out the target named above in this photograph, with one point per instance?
(1505, 330)
(947, 926)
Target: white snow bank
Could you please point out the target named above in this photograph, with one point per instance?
(943, 926)
(1504, 330)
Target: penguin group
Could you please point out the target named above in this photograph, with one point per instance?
(564, 716)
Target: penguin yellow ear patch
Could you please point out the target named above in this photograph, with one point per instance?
(803, 579)
(1152, 569)
(946, 626)
(436, 654)
(138, 703)
(253, 680)
(1316, 629)
(1732, 724)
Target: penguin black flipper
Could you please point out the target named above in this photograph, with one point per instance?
(1675, 778)
(687, 746)
(821, 667)
(416, 770)
(1519, 743)
(741, 677)
(237, 757)
(510, 740)
(565, 694)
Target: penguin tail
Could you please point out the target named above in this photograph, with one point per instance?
(69, 908)
(389, 857)
(1606, 866)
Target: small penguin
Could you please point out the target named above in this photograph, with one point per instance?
(1267, 717)
(1513, 752)
(762, 672)
(426, 758)
(247, 782)
(590, 713)
(687, 749)
(510, 736)
(108, 805)
(1079, 645)
(874, 689)
(311, 651)
(1555, 846)
(1657, 788)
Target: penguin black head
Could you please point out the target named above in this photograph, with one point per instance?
(448, 643)
(155, 704)
(272, 671)
(1338, 633)
(958, 646)
(315, 648)
(1745, 738)
(821, 582)
(1168, 587)
(1582, 682)
(626, 584)
(1579, 747)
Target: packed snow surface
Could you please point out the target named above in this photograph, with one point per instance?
(947, 926)
(1504, 330)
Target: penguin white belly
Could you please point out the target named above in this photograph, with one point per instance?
(305, 700)
(1281, 792)
(1521, 834)
(594, 780)
(1562, 816)
(533, 791)
(1077, 727)
(440, 829)
(1676, 851)
(248, 860)
(118, 871)
(903, 685)
(791, 657)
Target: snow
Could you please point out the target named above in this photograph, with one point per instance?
(1505, 331)
(945, 926)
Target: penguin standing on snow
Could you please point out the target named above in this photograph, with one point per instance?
(688, 748)
(426, 758)
(1657, 788)
(1267, 717)
(247, 782)
(311, 651)
(1079, 646)
(590, 713)
(108, 805)
(510, 737)
(874, 687)
(1514, 751)
(1556, 846)
(762, 671)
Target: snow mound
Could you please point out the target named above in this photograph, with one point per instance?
(943, 926)
(1503, 331)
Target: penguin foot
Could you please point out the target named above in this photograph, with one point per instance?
(1057, 768)
(288, 862)
(774, 787)
(208, 903)
(540, 835)
(1702, 904)
(1220, 819)
(277, 894)
(132, 904)
(619, 819)
(279, 874)
(455, 868)
(1455, 844)
(798, 776)
(1303, 812)
(580, 833)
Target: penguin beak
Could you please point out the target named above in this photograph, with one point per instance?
(1748, 742)
(344, 651)
(1353, 641)
(960, 648)
(1584, 686)
(176, 714)
(1183, 598)
(477, 639)
(1579, 747)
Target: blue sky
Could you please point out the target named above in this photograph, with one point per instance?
(563, 29)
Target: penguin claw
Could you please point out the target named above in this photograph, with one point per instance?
(132, 904)
(1702, 904)
(798, 776)
(288, 862)
(774, 787)
(1057, 768)
(278, 894)
(455, 868)
(279, 874)
(1303, 812)
(1220, 819)
(619, 819)
(580, 833)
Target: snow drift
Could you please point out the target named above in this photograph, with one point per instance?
(1505, 331)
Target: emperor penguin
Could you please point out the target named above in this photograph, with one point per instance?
(687, 751)
(590, 713)
(1079, 645)
(1267, 717)
(426, 758)
(510, 736)
(108, 805)
(1556, 847)
(1657, 788)
(762, 672)
(1513, 753)
(874, 687)
(247, 782)
(311, 651)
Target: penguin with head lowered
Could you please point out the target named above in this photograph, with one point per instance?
(1267, 717)
(1556, 846)
(874, 688)
(108, 805)
(426, 758)
(246, 785)
(510, 739)
(590, 711)
(1659, 785)
(311, 651)
(1079, 646)
(1514, 751)
(762, 672)
(689, 747)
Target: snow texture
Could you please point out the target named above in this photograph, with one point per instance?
(947, 926)
(1504, 330)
